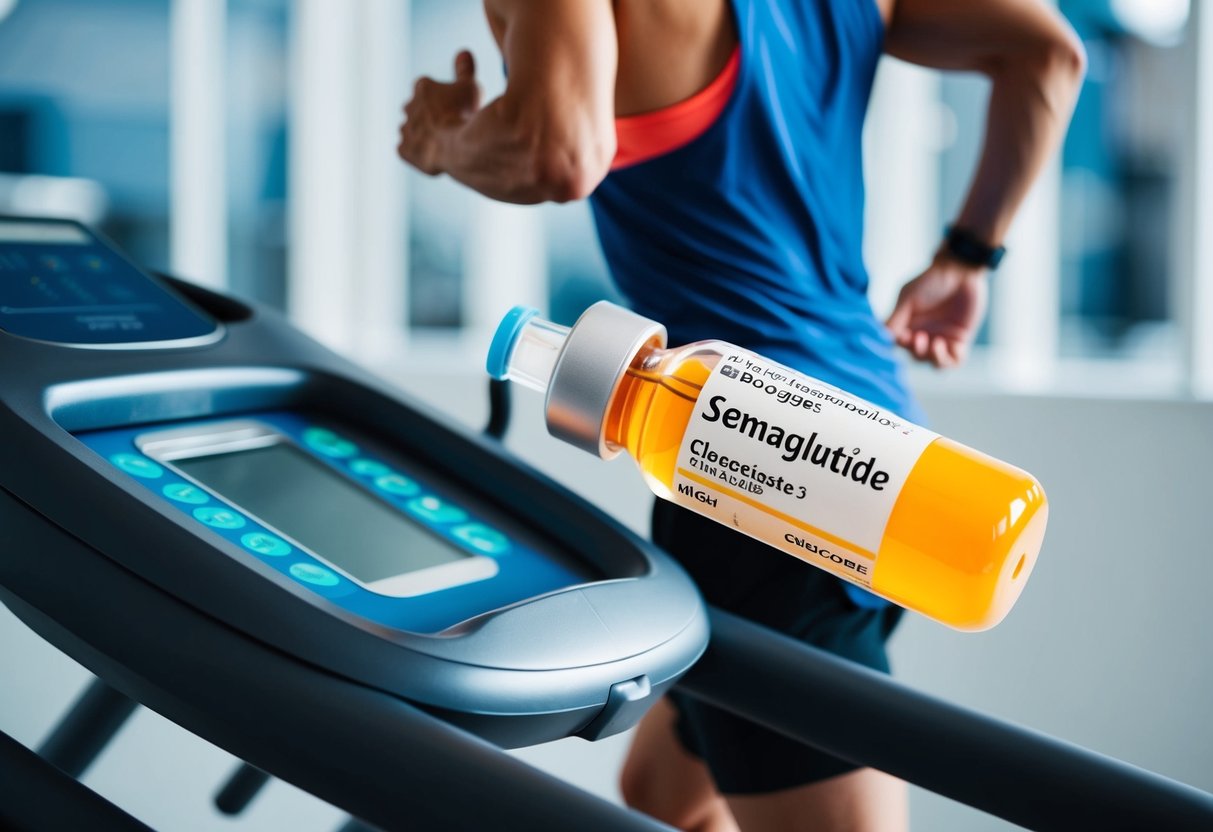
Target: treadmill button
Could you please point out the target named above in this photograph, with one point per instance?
(482, 538)
(312, 574)
(435, 511)
(139, 466)
(369, 468)
(397, 485)
(219, 518)
(183, 492)
(328, 443)
(265, 544)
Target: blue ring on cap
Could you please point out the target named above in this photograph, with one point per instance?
(498, 362)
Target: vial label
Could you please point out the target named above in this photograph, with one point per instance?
(805, 467)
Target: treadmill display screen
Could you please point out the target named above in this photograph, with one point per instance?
(328, 514)
(59, 283)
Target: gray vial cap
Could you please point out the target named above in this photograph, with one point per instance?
(599, 350)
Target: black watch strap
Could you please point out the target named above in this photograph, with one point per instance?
(967, 247)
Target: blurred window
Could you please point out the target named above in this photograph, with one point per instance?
(84, 94)
(1122, 160)
(84, 100)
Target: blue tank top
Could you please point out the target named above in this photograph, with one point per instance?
(752, 233)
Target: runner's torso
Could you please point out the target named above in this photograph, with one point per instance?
(751, 230)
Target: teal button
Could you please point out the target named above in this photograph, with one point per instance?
(310, 573)
(369, 468)
(482, 538)
(397, 485)
(266, 544)
(139, 466)
(328, 443)
(218, 517)
(435, 510)
(183, 492)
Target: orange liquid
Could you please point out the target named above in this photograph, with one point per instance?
(964, 532)
(652, 408)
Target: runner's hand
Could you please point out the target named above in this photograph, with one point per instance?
(436, 109)
(938, 313)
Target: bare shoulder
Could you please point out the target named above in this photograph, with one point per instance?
(665, 50)
(669, 50)
(505, 15)
(885, 7)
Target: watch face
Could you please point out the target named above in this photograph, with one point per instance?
(967, 247)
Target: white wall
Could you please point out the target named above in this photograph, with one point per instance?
(1106, 647)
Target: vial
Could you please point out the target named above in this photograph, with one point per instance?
(914, 517)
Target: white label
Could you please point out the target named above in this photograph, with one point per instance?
(799, 464)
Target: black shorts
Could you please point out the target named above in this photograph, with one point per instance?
(753, 580)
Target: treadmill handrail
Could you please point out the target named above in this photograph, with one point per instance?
(34, 794)
(1015, 773)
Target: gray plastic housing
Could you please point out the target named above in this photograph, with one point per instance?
(598, 351)
(565, 664)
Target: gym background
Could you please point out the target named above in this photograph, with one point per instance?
(249, 144)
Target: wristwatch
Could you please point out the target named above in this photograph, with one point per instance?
(967, 247)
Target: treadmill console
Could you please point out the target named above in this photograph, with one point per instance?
(272, 499)
(60, 283)
(381, 537)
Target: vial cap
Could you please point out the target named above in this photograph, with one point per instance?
(599, 349)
